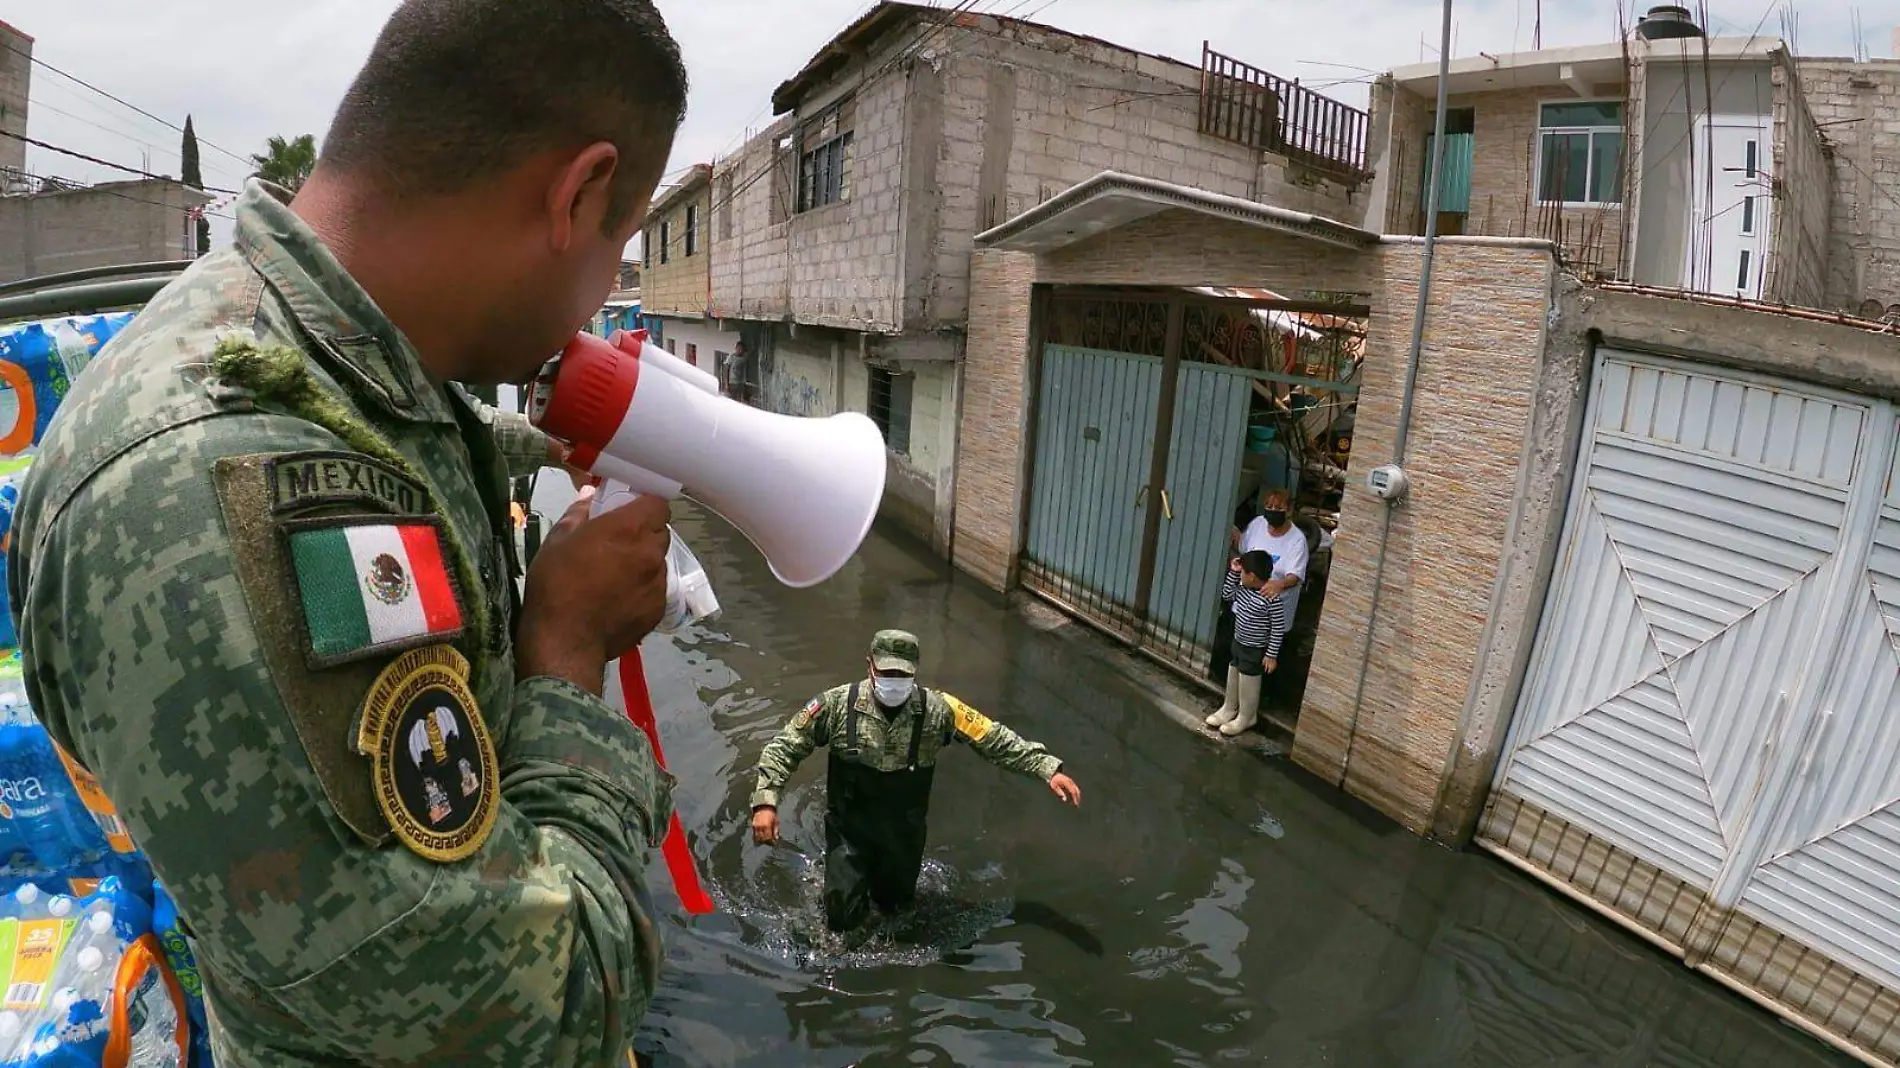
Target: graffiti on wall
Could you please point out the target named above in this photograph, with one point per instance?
(794, 394)
(799, 385)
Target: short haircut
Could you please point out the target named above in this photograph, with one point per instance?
(459, 90)
(1258, 563)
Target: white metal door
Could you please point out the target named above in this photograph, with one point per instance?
(1698, 553)
(1731, 197)
(1826, 871)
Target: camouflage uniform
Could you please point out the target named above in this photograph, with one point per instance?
(881, 764)
(165, 652)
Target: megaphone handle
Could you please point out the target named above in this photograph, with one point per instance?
(676, 850)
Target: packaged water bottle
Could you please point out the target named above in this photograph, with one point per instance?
(170, 930)
(31, 948)
(9, 499)
(105, 997)
(37, 796)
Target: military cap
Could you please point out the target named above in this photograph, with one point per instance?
(894, 650)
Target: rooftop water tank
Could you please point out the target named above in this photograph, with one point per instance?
(1667, 21)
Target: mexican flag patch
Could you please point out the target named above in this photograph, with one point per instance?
(373, 586)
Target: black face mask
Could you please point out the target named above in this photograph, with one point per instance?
(1275, 517)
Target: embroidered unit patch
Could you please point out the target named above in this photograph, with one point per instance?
(432, 763)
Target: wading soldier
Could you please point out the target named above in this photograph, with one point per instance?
(884, 733)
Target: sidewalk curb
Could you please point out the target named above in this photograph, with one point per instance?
(1170, 696)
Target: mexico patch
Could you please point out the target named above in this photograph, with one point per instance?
(373, 585)
(303, 480)
(432, 763)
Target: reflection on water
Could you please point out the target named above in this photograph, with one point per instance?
(781, 914)
(1203, 907)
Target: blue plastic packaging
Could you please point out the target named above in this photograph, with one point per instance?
(38, 362)
(36, 796)
(9, 499)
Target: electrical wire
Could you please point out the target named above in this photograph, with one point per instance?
(107, 163)
(123, 103)
(76, 187)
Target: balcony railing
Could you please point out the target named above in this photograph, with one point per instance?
(1249, 106)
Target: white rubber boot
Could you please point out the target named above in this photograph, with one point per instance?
(1249, 707)
(1230, 707)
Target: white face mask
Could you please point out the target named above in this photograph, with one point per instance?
(893, 692)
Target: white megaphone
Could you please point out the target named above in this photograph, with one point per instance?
(805, 491)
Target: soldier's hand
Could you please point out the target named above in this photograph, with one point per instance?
(1066, 789)
(596, 588)
(765, 825)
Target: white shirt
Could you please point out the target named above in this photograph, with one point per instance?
(1289, 557)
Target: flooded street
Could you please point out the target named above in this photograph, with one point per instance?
(1205, 906)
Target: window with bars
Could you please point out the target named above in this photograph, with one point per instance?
(824, 160)
(1580, 153)
(666, 239)
(889, 407)
(646, 247)
(692, 229)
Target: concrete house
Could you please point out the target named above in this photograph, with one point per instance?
(1719, 165)
(1676, 161)
(842, 233)
(676, 273)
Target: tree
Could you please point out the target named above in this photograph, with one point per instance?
(287, 163)
(195, 179)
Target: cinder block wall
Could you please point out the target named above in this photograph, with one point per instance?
(678, 286)
(751, 268)
(1797, 266)
(127, 222)
(1474, 403)
(1859, 103)
(16, 74)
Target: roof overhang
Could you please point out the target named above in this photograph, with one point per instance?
(1111, 200)
(1586, 71)
(697, 176)
(853, 43)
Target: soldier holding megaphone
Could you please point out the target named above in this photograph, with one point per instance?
(263, 568)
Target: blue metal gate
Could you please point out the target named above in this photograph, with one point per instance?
(1143, 403)
(1094, 443)
(1210, 430)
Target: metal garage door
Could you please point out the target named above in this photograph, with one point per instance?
(1705, 744)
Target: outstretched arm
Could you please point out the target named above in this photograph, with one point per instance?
(1010, 751)
(787, 750)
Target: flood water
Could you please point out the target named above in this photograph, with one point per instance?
(1205, 905)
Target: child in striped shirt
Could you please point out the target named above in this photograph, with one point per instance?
(1259, 625)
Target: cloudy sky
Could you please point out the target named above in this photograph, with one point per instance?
(246, 71)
